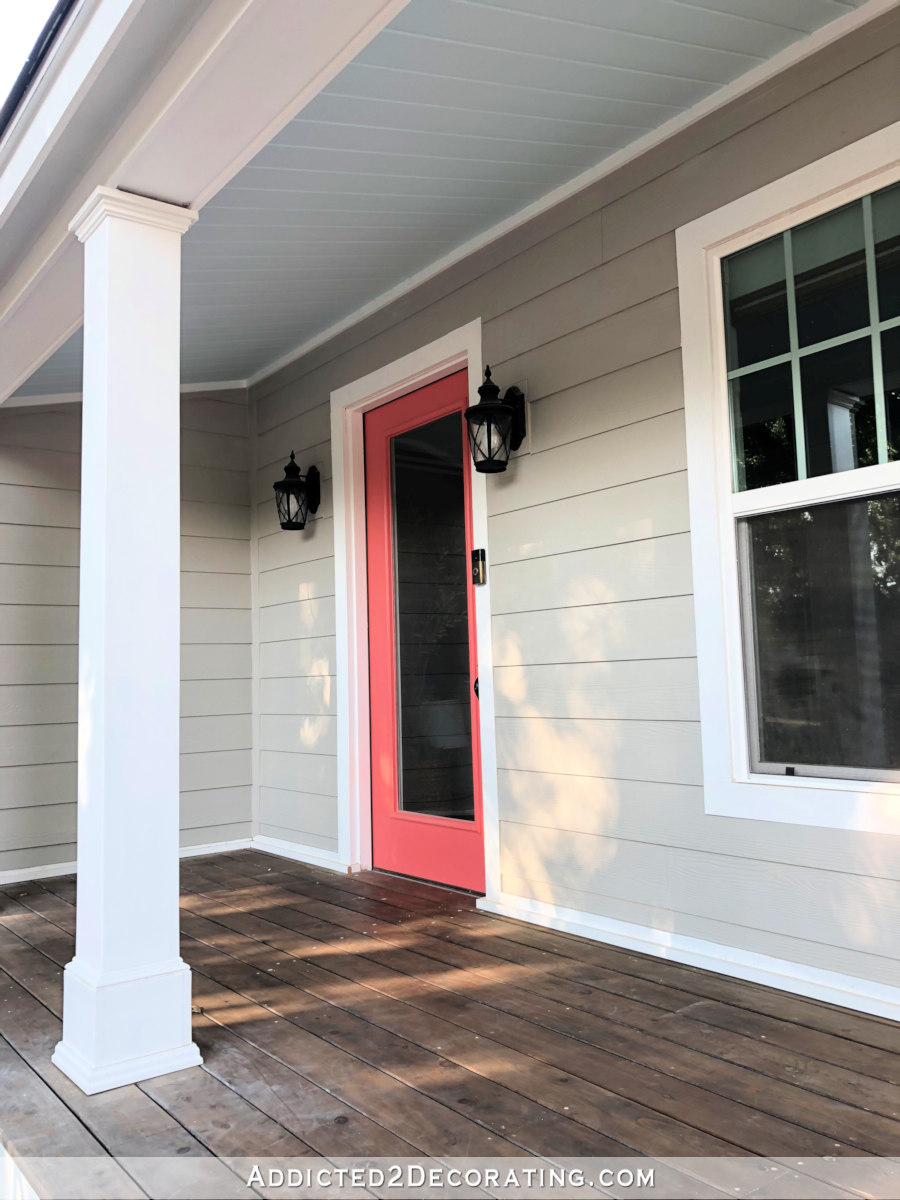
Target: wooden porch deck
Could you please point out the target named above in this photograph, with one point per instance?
(370, 1015)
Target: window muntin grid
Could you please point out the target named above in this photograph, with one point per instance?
(781, 293)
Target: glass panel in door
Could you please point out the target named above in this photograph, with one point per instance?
(434, 718)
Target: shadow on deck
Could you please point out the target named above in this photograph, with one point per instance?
(371, 1015)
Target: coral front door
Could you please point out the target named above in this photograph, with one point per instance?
(423, 671)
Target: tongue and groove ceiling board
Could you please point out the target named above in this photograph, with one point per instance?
(455, 117)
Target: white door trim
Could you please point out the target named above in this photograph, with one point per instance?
(456, 350)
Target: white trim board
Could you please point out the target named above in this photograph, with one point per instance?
(53, 870)
(789, 57)
(299, 852)
(458, 349)
(848, 991)
(730, 788)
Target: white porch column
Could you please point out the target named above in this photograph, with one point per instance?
(126, 1012)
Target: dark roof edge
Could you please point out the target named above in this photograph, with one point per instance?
(33, 61)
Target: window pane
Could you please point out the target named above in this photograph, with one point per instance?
(830, 275)
(756, 304)
(886, 220)
(890, 365)
(839, 408)
(822, 621)
(764, 427)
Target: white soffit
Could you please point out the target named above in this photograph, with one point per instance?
(457, 116)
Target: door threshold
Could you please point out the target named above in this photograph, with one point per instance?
(445, 887)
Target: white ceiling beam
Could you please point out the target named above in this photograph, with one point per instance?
(245, 68)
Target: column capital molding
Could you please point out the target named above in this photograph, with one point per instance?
(106, 202)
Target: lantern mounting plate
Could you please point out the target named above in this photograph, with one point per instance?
(515, 398)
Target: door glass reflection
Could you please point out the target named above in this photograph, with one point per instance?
(432, 625)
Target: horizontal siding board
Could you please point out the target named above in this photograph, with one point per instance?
(303, 618)
(311, 695)
(203, 733)
(663, 690)
(626, 281)
(817, 124)
(215, 519)
(210, 589)
(654, 751)
(626, 455)
(38, 664)
(300, 734)
(215, 769)
(53, 507)
(228, 555)
(51, 429)
(645, 629)
(310, 656)
(876, 967)
(216, 806)
(38, 585)
(215, 661)
(672, 815)
(297, 582)
(40, 468)
(651, 568)
(21, 745)
(38, 856)
(210, 485)
(38, 704)
(38, 624)
(215, 697)
(650, 509)
(281, 549)
(300, 811)
(214, 625)
(219, 451)
(636, 393)
(627, 337)
(308, 773)
(207, 415)
(297, 432)
(39, 545)
(214, 835)
(43, 783)
(47, 825)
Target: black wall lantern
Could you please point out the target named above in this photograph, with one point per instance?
(496, 427)
(297, 495)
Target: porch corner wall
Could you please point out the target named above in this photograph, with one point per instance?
(598, 731)
(40, 465)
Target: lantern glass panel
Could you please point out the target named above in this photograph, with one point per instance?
(489, 437)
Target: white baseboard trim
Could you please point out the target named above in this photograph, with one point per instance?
(215, 848)
(52, 870)
(24, 874)
(300, 853)
(864, 995)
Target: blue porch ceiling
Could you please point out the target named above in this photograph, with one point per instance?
(455, 117)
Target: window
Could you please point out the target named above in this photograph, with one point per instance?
(790, 309)
(812, 363)
(812, 372)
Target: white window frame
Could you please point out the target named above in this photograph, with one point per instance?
(730, 787)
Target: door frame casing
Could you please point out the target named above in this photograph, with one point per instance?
(459, 349)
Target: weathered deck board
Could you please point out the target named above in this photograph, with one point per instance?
(383, 1016)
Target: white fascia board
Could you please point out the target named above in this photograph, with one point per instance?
(73, 61)
(244, 70)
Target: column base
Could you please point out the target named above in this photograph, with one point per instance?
(125, 1026)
